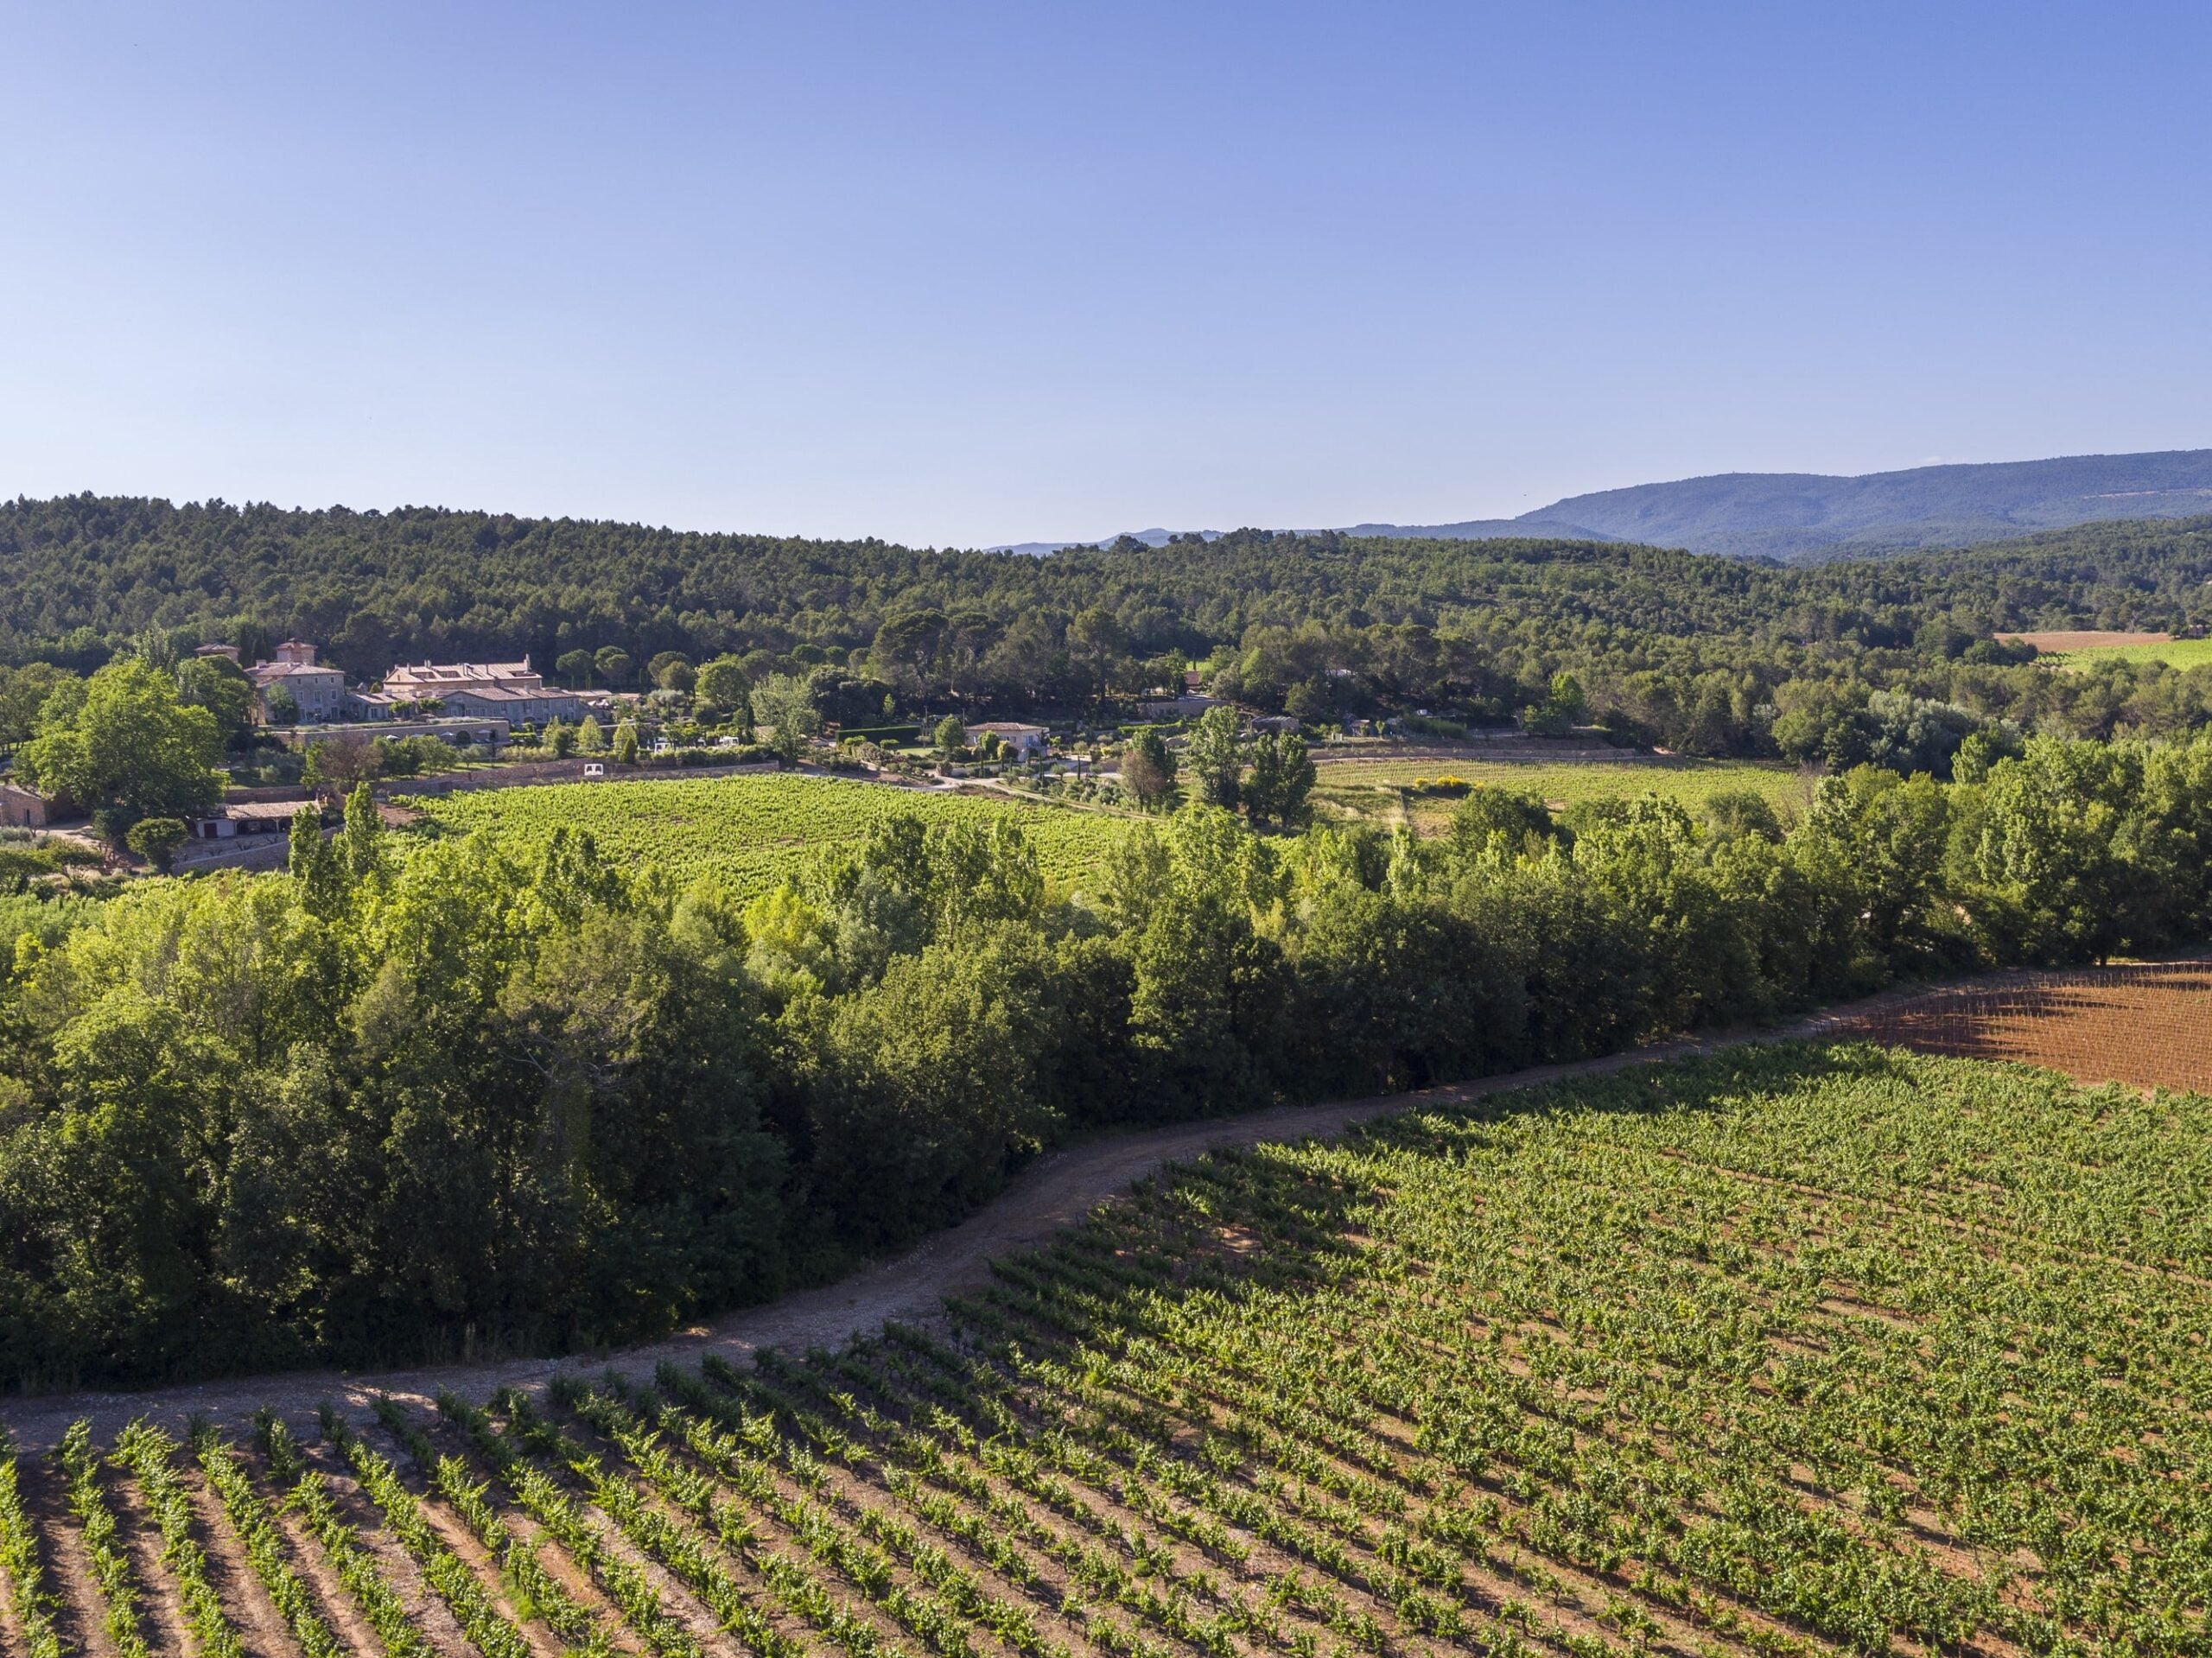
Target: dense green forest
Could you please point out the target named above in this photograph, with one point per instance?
(1706, 654)
(412, 1095)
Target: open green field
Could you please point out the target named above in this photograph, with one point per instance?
(2175, 653)
(756, 829)
(1370, 788)
(1791, 1351)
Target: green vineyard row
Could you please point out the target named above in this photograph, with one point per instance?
(753, 831)
(1793, 1352)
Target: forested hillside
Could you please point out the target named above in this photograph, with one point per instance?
(1706, 654)
(82, 575)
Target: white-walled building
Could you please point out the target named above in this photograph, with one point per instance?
(1027, 742)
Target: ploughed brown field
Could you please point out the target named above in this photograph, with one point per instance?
(2146, 1024)
(2084, 639)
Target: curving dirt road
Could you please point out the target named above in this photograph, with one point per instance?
(1051, 1193)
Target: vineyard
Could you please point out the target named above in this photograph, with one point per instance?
(1793, 1351)
(1372, 789)
(754, 830)
(2175, 653)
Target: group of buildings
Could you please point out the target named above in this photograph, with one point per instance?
(460, 701)
(511, 691)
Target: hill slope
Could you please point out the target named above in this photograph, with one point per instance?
(1797, 515)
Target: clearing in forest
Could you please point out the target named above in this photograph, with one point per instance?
(2079, 648)
(755, 830)
(1382, 789)
(1794, 1350)
(2175, 653)
(2061, 641)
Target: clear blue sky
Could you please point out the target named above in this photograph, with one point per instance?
(958, 274)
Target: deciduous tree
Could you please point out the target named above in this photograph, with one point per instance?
(1282, 778)
(340, 764)
(156, 840)
(1148, 768)
(217, 684)
(1215, 760)
(785, 702)
(127, 749)
(723, 684)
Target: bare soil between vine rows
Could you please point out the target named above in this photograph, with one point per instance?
(2146, 1024)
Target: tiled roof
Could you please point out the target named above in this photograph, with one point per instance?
(459, 672)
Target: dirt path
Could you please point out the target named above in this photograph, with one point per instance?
(1051, 1193)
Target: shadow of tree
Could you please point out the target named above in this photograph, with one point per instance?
(1248, 1220)
(2148, 1025)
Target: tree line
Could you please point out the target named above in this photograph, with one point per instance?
(409, 1098)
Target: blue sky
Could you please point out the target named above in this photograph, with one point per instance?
(957, 274)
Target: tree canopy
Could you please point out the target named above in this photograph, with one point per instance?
(409, 1089)
(123, 745)
(1688, 650)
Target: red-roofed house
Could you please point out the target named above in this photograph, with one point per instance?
(318, 691)
(506, 691)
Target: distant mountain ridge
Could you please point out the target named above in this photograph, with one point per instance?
(1801, 516)
(1794, 516)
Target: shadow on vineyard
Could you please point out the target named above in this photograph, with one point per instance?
(1791, 1351)
(2145, 1023)
(1263, 1220)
